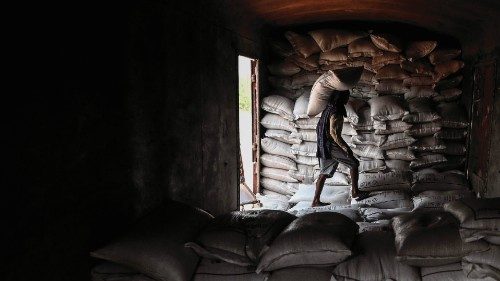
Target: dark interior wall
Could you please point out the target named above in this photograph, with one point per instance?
(118, 108)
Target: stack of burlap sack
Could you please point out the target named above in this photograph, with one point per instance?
(404, 118)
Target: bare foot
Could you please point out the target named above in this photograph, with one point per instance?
(360, 195)
(318, 204)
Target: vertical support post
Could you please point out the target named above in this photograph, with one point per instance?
(255, 126)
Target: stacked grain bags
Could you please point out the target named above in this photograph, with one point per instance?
(403, 116)
(479, 221)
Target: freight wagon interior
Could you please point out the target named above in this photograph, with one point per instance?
(129, 127)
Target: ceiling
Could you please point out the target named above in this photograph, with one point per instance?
(463, 19)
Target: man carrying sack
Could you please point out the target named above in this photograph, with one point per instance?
(330, 95)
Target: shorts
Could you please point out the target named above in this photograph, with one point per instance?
(329, 166)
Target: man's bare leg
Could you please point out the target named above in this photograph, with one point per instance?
(355, 193)
(319, 188)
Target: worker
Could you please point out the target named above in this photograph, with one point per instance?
(332, 149)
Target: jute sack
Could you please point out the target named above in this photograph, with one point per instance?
(305, 135)
(299, 206)
(454, 148)
(376, 260)
(335, 55)
(419, 67)
(277, 174)
(430, 239)
(376, 214)
(430, 179)
(400, 154)
(424, 129)
(434, 200)
(301, 273)
(216, 270)
(348, 130)
(307, 160)
(368, 151)
(386, 42)
(451, 134)
(397, 140)
(473, 213)
(279, 105)
(420, 49)
(386, 200)
(306, 148)
(448, 272)
(371, 166)
(419, 80)
(363, 47)
(304, 173)
(448, 95)
(303, 45)
(304, 79)
(307, 124)
(386, 108)
(273, 202)
(369, 139)
(291, 94)
(427, 160)
(449, 83)
(297, 245)
(281, 47)
(383, 225)
(393, 127)
(284, 68)
(421, 111)
(300, 108)
(420, 92)
(453, 115)
(452, 163)
(328, 83)
(240, 237)
(279, 82)
(386, 58)
(365, 122)
(112, 271)
(367, 78)
(329, 39)
(352, 107)
(282, 135)
(285, 188)
(274, 121)
(384, 181)
(308, 64)
(336, 180)
(443, 55)
(277, 161)
(275, 147)
(275, 195)
(483, 264)
(336, 195)
(430, 144)
(445, 69)
(391, 87)
(397, 165)
(347, 210)
(363, 91)
(391, 72)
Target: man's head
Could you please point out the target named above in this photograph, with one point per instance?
(339, 98)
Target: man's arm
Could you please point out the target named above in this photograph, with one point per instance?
(336, 123)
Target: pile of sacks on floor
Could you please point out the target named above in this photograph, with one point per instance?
(405, 123)
(459, 244)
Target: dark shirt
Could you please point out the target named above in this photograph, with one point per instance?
(329, 130)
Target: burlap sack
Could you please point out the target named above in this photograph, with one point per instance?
(386, 42)
(393, 127)
(400, 154)
(454, 148)
(376, 214)
(303, 79)
(302, 44)
(386, 200)
(451, 134)
(384, 181)
(427, 160)
(329, 39)
(308, 64)
(453, 115)
(282, 135)
(352, 108)
(391, 87)
(448, 95)
(291, 94)
(419, 49)
(305, 135)
(391, 72)
(383, 225)
(443, 55)
(397, 165)
(363, 91)
(452, 162)
(319, 239)
(367, 78)
(365, 122)
(274, 121)
(482, 214)
(300, 108)
(430, 239)
(335, 55)
(240, 237)
(386, 58)
(452, 82)
(369, 139)
(363, 47)
(285, 188)
(419, 81)
(421, 111)
(397, 140)
(419, 67)
(306, 148)
(277, 174)
(428, 144)
(281, 47)
(485, 264)
(278, 161)
(445, 69)
(275, 147)
(449, 272)
(424, 129)
(336, 195)
(284, 68)
(307, 160)
(434, 200)
(430, 179)
(307, 124)
(347, 210)
(368, 151)
(371, 166)
(420, 92)
(301, 273)
(216, 270)
(304, 173)
(386, 108)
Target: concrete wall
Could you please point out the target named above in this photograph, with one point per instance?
(118, 108)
